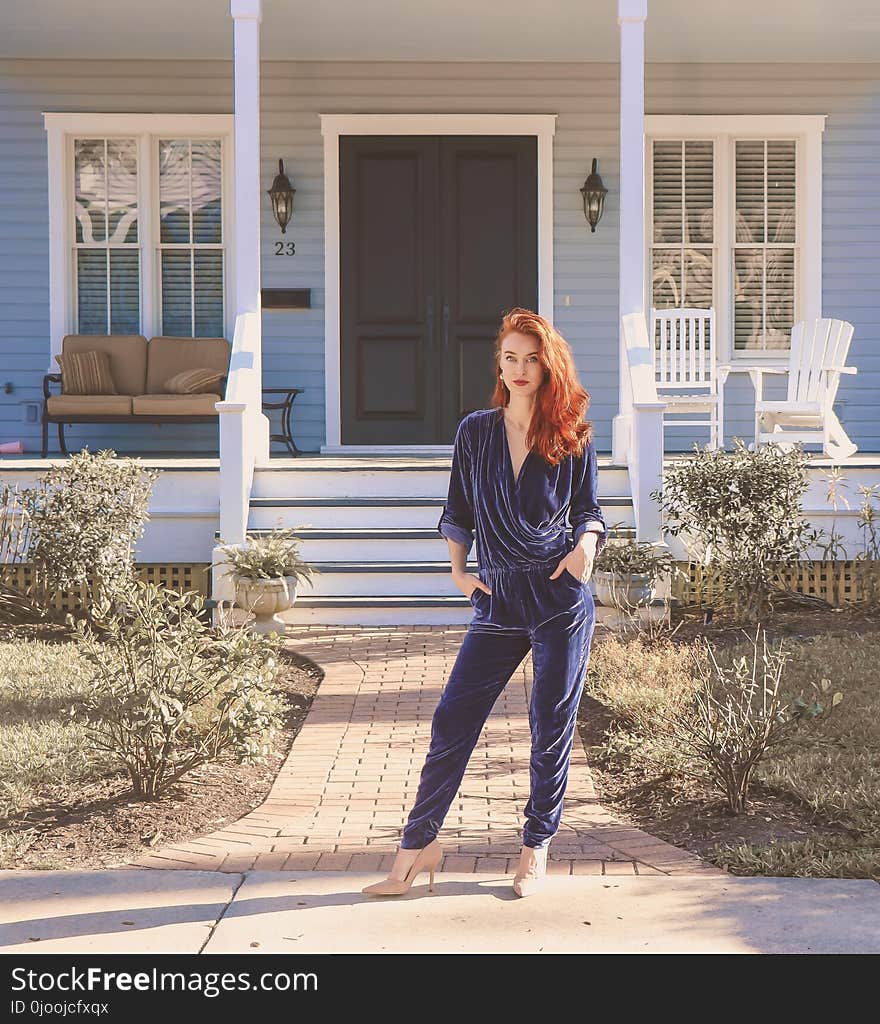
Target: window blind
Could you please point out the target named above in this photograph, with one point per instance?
(765, 243)
(191, 237)
(682, 250)
(106, 243)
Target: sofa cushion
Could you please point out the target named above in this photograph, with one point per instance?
(167, 357)
(89, 405)
(86, 373)
(128, 357)
(194, 382)
(174, 405)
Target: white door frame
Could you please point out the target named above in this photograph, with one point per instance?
(542, 126)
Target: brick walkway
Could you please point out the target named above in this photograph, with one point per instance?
(342, 797)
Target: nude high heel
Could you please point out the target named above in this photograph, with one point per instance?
(428, 857)
(531, 871)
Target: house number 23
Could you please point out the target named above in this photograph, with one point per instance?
(285, 248)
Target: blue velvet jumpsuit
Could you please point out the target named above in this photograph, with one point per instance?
(522, 533)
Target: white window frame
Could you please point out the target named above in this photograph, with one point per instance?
(147, 130)
(806, 130)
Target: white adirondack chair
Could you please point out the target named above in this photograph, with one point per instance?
(817, 359)
(688, 376)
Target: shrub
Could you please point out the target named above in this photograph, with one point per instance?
(868, 559)
(739, 714)
(170, 693)
(84, 518)
(739, 515)
(694, 713)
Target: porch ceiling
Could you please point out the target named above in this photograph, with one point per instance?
(455, 30)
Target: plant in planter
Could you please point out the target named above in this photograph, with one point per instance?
(266, 570)
(626, 573)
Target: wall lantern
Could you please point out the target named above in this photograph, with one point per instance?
(594, 193)
(281, 194)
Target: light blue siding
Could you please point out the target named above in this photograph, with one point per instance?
(585, 97)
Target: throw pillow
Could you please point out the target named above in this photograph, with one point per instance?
(86, 373)
(199, 381)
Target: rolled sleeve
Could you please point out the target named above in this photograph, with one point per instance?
(457, 521)
(584, 512)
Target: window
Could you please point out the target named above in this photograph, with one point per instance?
(733, 219)
(683, 253)
(191, 237)
(139, 224)
(764, 244)
(107, 252)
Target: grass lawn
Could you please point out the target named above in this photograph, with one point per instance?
(62, 805)
(815, 801)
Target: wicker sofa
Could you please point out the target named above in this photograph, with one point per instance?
(139, 369)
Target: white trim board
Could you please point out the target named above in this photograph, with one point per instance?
(807, 130)
(542, 126)
(61, 128)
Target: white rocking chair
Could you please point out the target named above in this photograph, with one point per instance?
(685, 361)
(818, 353)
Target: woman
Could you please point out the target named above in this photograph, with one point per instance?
(523, 472)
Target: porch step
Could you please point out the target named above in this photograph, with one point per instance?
(372, 475)
(415, 609)
(368, 527)
(396, 533)
(390, 544)
(382, 501)
(382, 512)
(381, 580)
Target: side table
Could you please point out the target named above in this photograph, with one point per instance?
(286, 407)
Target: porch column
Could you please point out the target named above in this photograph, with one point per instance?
(246, 15)
(244, 430)
(631, 16)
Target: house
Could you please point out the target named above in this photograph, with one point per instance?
(437, 155)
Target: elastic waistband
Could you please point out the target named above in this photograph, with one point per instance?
(501, 570)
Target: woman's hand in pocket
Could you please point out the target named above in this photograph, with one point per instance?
(467, 583)
(579, 561)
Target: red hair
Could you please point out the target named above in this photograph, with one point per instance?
(558, 428)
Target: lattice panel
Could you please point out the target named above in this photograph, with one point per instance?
(177, 576)
(181, 576)
(839, 582)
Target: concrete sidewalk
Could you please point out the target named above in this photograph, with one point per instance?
(313, 911)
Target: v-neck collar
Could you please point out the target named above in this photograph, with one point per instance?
(506, 443)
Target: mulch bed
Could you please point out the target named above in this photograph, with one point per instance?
(683, 813)
(102, 826)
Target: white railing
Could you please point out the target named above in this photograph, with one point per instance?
(645, 456)
(244, 430)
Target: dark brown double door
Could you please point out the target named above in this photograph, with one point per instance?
(438, 238)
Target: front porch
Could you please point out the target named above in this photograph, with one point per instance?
(367, 525)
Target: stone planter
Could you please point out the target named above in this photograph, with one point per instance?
(633, 590)
(266, 598)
